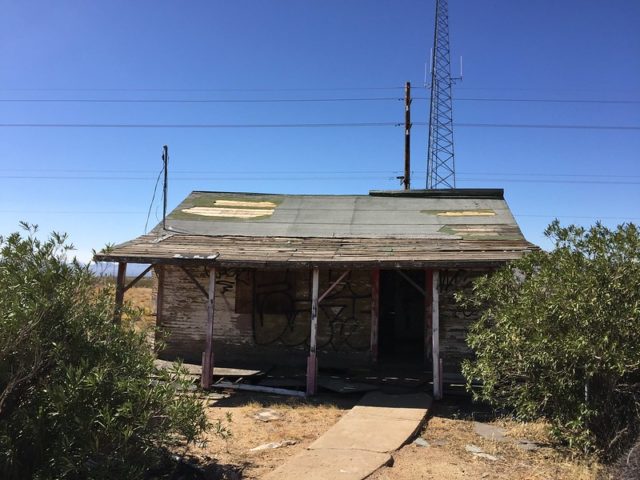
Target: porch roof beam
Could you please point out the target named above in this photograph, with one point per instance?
(414, 284)
(195, 282)
(333, 285)
(135, 280)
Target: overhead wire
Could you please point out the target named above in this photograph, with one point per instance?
(308, 100)
(300, 178)
(316, 172)
(200, 100)
(264, 89)
(153, 198)
(312, 125)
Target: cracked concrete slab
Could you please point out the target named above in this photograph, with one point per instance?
(361, 441)
(330, 464)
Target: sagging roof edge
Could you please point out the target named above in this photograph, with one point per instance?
(387, 264)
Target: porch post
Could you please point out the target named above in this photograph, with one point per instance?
(435, 332)
(428, 305)
(375, 313)
(312, 362)
(120, 279)
(160, 293)
(207, 356)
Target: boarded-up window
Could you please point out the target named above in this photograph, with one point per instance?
(275, 291)
(271, 292)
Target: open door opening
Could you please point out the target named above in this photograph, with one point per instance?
(401, 328)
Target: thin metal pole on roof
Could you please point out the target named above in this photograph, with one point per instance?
(165, 161)
(406, 180)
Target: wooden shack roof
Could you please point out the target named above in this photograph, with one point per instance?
(413, 228)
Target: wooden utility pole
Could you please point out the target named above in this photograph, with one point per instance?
(165, 163)
(406, 180)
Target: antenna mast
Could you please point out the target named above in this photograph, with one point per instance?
(441, 173)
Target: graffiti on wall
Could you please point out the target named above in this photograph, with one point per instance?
(281, 311)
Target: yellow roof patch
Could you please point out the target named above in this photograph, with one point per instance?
(466, 213)
(226, 212)
(248, 204)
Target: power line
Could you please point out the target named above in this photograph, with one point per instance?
(399, 87)
(309, 100)
(310, 125)
(153, 198)
(299, 178)
(197, 125)
(314, 172)
(544, 126)
(544, 100)
(301, 89)
(202, 100)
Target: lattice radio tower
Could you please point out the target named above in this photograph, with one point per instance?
(441, 172)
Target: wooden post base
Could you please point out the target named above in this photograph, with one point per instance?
(206, 378)
(312, 375)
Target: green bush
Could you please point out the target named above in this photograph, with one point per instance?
(559, 336)
(79, 396)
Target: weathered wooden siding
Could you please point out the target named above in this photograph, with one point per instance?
(455, 321)
(184, 314)
(265, 315)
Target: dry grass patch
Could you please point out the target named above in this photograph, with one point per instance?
(447, 457)
(299, 420)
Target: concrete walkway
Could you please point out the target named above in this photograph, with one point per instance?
(361, 441)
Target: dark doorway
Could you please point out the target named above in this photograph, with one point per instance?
(401, 328)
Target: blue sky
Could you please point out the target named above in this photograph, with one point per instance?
(266, 50)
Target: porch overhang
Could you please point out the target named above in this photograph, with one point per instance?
(303, 253)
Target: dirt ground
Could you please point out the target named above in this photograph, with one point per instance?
(298, 422)
(448, 431)
(450, 428)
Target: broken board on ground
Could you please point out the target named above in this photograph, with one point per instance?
(196, 370)
(333, 384)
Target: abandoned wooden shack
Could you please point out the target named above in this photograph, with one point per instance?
(329, 279)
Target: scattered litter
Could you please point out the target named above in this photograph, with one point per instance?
(478, 452)
(527, 445)
(216, 396)
(273, 445)
(486, 456)
(258, 388)
(490, 432)
(473, 449)
(267, 416)
(421, 442)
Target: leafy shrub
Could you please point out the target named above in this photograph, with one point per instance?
(79, 396)
(558, 336)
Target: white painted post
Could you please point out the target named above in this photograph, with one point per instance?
(207, 358)
(435, 337)
(312, 362)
